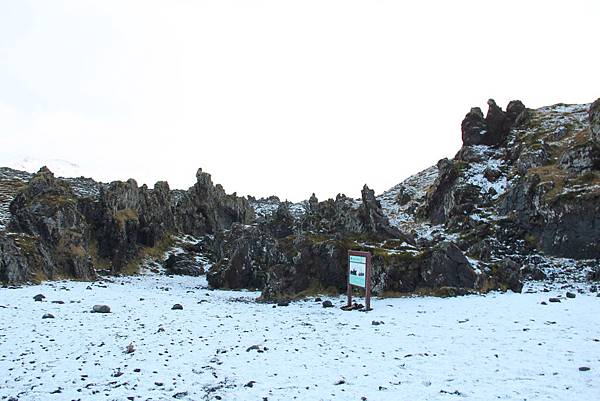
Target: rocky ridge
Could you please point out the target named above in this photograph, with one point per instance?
(517, 200)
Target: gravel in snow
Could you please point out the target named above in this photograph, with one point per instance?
(224, 345)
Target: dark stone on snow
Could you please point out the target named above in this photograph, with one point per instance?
(177, 307)
(48, 316)
(101, 309)
(327, 304)
(39, 298)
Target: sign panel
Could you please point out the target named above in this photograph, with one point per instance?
(358, 271)
(359, 275)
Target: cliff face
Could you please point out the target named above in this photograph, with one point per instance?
(71, 227)
(523, 188)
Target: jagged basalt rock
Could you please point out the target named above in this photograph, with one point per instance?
(448, 198)
(525, 181)
(581, 158)
(449, 268)
(183, 264)
(206, 208)
(494, 129)
(54, 236)
(474, 128)
(129, 217)
(243, 253)
(594, 119)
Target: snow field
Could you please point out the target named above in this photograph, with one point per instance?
(224, 345)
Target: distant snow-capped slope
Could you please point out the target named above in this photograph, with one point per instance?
(60, 167)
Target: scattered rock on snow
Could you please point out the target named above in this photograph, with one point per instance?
(554, 300)
(327, 304)
(48, 316)
(130, 348)
(177, 307)
(570, 295)
(101, 309)
(39, 298)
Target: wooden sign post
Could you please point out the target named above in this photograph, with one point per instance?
(359, 275)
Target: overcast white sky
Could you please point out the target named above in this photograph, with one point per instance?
(277, 97)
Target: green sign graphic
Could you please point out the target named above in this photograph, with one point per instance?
(358, 269)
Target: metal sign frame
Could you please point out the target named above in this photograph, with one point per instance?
(367, 256)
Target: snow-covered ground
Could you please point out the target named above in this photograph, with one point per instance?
(223, 345)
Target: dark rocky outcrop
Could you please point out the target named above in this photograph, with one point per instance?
(183, 264)
(243, 254)
(55, 231)
(54, 236)
(494, 129)
(128, 217)
(206, 208)
(474, 128)
(594, 118)
(524, 186)
(581, 158)
(440, 199)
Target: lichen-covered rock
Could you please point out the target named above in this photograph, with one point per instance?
(557, 221)
(183, 264)
(594, 119)
(206, 209)
(581, 158)
(128, 217)
(54, 240)
(449, 199)
(448, 267)
(243, 253)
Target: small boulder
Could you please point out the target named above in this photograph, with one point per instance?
(584, 369)
(570, 295)
(101, 309)
(327, 304)
(39, 298)
(177, 307)
(48, 316)
(554, 300)
(283, 303)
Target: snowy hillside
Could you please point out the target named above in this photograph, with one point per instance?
(225, 346)
(62, 168)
